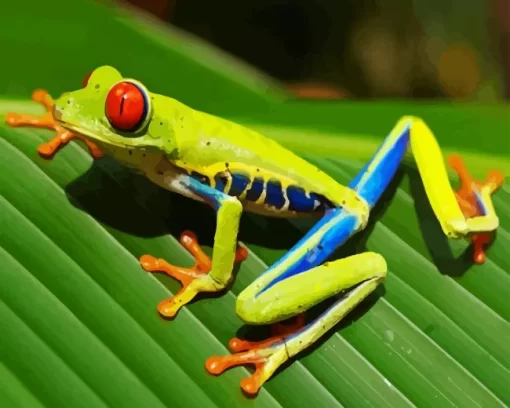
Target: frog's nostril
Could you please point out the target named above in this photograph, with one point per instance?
(56, 112)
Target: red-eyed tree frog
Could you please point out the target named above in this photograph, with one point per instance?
(235, 169)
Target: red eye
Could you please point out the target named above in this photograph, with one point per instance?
(126, 106)
(86, 80)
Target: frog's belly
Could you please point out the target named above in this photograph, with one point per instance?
(258, 196)
(168, 176)
(172, 181)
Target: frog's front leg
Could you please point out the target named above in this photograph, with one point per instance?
(206, 275)
(47, 121)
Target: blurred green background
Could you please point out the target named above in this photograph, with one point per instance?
(401, 48)
(326, 48)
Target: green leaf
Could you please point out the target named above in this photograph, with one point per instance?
(80, 312)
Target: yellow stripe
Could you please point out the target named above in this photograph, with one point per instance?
(431, 165)
(386, 147)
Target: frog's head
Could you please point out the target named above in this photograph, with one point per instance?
(118, 113)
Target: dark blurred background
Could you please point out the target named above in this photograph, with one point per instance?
(457, 49)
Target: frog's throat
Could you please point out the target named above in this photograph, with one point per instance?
(112, 140)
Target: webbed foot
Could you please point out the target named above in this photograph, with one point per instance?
(266, 355)
(46, 121)
(468, 198)
(193, 280)
(266, 362)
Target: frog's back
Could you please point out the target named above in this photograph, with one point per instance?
(265, 176)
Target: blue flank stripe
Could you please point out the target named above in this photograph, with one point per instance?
(300, 202)
(256, 190)
(220, 183)
(274, 193)
(208, 193)
(345, 225)
(239, 183)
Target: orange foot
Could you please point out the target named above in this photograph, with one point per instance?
(468, 203)
(46, 121)
(265, 355)
(187, 276)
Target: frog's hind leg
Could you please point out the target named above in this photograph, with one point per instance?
(295, 282)
(293, 285)
(46, 121)
(464, 214)
(354, 277)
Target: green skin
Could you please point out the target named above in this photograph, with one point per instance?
(175, 141)
(188, 139)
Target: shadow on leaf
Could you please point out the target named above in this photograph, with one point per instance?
(130, 203)
(127, 202)
(436, 241)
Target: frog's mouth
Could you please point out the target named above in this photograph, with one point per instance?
(102, 136)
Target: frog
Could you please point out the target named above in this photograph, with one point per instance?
(235, 169)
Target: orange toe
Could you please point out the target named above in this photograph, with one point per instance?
(149, 263)
(47, 150)
(241, 254)
(251, 385)
(265, 361)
